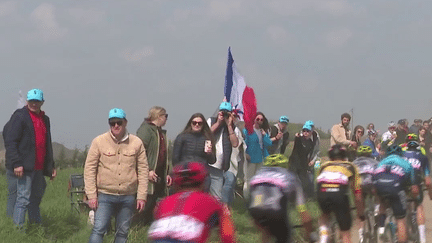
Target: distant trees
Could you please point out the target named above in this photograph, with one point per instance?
(76, 160)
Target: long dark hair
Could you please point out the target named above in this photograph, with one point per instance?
(265, 124)
(358, 127)
(205, 128)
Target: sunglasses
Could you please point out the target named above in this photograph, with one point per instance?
(305, 130)
(360, 132)
(194, 123)
(113, 123)
(259, 119)
(166, 115)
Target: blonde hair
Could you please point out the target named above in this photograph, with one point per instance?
(155, 112)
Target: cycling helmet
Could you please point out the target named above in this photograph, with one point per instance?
(190, 174)
(275, 160)
(364, 150)
(413, 144)
(337, 151)
(225, 106)
(411, 137)
(394, 149)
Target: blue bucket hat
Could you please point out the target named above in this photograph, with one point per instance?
(226, 106)
(35, 94)
(307, 127)
(310, 123)
(284, 119)
(117, 113)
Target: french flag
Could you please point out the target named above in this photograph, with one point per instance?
(241, 97)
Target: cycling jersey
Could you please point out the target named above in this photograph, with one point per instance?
(419, 162)
(366, 167)
(334, 173)
(404, 147)
(188, 217)
(271, 188)
(398, 166)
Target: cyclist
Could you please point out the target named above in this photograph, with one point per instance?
(420, 163)
(412, 137)
(271, 189)
(365, 165)
(190, 214)
(392, 177)
(336, 177)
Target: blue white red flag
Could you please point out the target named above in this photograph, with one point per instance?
(241, 97)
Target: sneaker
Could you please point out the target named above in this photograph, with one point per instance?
(381, 234)
(376, 211)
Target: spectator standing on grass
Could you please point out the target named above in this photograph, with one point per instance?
(414, 128)
(279, 136)
(116, 178)
(316, 141)
(401, 132)
(340, 133)
(29, 157)
(226, 138)
(156, 146)
(195, 143)
(257, 144)
(300, 160)
(356, 137)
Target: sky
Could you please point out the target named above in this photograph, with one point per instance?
(307, 59)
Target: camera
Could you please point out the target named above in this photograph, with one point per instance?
(225, 113)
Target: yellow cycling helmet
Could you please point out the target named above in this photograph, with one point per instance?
(275, 160)
(411, 137)
(364, 150)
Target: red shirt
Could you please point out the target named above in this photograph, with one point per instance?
(189, 216)
(40, 138)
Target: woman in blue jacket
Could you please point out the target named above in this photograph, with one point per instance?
(257, 144)
(370, 141)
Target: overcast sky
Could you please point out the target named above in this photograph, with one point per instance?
(307, 59)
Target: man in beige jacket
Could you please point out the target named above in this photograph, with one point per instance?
(340, 133)
(116, 178)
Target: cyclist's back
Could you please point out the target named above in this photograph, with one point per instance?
(190, 214)
(271, 189)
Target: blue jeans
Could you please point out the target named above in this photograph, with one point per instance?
(216, 177)
(24, 196)
(123, 207)
(228, 187)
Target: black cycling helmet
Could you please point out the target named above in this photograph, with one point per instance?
(337, 152)
(413, 145)
(394, 149)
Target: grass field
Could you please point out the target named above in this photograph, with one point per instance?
(61, 224)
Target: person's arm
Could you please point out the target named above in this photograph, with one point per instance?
(12, 138)
(90, 173)
(356, 188)
(266, 140)
(177, 148)
(143, 173)
(217, 124)
(233, 136)
(285, 142)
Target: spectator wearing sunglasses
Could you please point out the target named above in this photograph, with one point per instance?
(301, 156)
(257, 145)
(195, 142)
(155, 143)
(116, 178)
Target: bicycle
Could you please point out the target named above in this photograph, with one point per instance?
(412, 226)
(390, 226)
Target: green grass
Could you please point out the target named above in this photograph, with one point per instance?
(61, 224)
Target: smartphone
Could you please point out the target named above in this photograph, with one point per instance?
(207, 145)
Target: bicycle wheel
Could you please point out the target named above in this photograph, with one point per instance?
(412, 225)
(390, 231)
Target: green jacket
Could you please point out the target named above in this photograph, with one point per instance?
(149, 135)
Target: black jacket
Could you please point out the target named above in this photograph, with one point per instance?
(19, 139)
(190, 147)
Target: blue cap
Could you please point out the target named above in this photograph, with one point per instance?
(307, 127)
(117, 113)
(35, 94)
(225, 106)
(310, 123)
(284, 119)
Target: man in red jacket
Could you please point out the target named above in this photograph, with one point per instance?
(29, 157)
